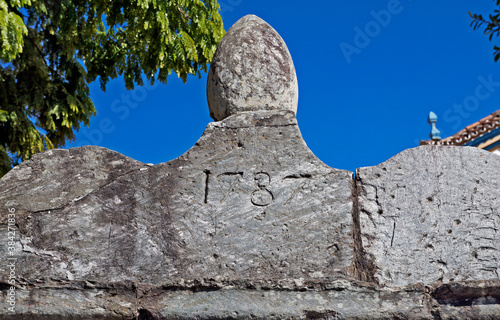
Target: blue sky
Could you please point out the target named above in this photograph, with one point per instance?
(369, 72)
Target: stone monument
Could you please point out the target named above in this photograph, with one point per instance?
(249, 224)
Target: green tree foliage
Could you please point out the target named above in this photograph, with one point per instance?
(50, 50)
(492, 24)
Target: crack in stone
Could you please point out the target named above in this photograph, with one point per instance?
(393, 232)
(363, 266)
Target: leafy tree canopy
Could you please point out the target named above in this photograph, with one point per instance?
(50, 50)
(492, 28)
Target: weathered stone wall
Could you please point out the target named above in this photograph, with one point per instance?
(432, 215)
(249, 224)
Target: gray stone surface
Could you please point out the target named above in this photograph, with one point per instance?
(432, 214)
(251, 70)
(253, 299)
(249, 224)
(336, 300)
(48, 180)
(252, 201)
(248, 201)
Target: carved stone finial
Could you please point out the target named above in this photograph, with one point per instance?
(432, 119)
(251, 70)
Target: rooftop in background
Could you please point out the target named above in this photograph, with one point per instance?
(484, 134)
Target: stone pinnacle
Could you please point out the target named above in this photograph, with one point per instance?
(252, 70)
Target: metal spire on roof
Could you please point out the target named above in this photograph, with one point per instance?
(432, 119)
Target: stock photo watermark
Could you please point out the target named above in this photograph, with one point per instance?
(11, 259)
(122, 107)
(461, 111)
(364, 35)
(228, 6)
